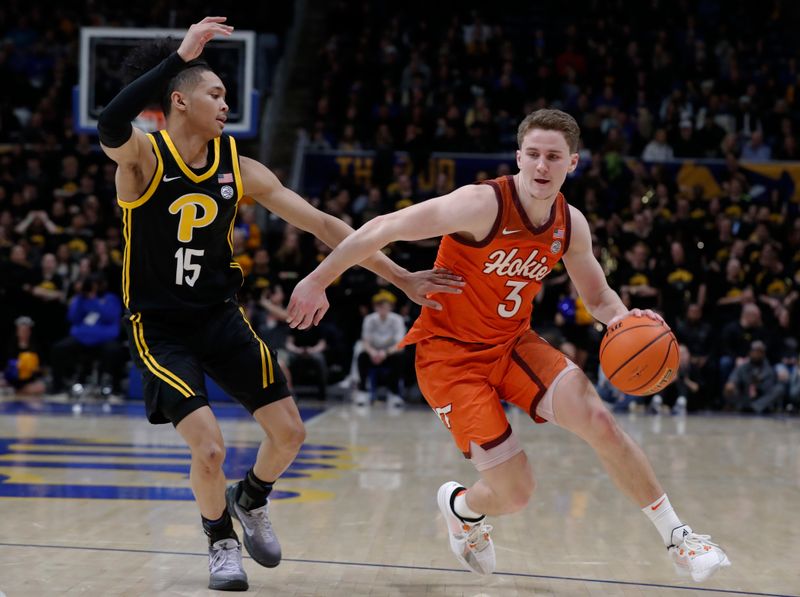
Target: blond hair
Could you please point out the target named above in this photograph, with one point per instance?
(551, 120)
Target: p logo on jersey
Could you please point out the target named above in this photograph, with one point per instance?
(191, 216)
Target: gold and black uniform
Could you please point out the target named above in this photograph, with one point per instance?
(179, 286)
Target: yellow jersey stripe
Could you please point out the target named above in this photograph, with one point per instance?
(155, 367)
(149, 360)
(182, 165)
(267, 373)
(153, 183)
(237, 175)
(126, 257)
(269, 364)
(230, 235)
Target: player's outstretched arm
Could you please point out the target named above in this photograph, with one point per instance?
(261, 184)
(585, 272)
(465, 210)
(128, 146)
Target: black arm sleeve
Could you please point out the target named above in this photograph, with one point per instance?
(114, 123)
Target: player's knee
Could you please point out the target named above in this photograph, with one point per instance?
(292, 436)
(298, 435)
(604, 427)
(210, 456)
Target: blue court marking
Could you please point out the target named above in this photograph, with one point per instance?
(239, 458)
(67, 441)
(110, 492)
(421, 568)
(182, 469)
(230, 453)
(129, 408)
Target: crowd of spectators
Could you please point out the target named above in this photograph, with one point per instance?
(713, 81)
(651, 79)
(724, 270)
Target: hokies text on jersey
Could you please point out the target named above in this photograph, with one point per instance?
(506, 263)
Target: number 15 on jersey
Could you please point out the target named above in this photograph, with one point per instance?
(186, 271)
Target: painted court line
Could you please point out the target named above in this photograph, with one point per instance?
(421, 568)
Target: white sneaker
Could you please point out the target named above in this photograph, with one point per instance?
(655, 404)
(394, 401)
(225, 566)
(469, 541)
(695, 555)
(361, 398)
(680, 406)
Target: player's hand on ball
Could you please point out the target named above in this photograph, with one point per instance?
(638, 313)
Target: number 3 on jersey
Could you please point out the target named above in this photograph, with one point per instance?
(184, 257)
(516, 287)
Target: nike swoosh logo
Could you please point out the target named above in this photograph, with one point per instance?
(250, 532)
(658, 504)
(507, 231)
(165, 179)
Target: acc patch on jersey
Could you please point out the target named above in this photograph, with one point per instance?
(555, 247)
(226, 192)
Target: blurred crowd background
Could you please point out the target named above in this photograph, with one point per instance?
(652, 84)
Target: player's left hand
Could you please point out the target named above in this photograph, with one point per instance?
(638, 313)
(307, 305)
(200, 34)
(418, 285)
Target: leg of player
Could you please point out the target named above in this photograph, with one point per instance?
(578, 408)
(201, 432)
(502, 489)
(248, 500)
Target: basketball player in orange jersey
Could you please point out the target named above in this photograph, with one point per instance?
(178, 190)
(503, 237)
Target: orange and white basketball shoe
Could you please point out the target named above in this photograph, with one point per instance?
(469, 541)
(695, 555)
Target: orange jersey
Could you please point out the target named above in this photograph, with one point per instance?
(503, 273)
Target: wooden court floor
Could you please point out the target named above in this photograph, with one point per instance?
(99, 504)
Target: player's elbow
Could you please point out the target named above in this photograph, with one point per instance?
(385, 229)
(112, 131)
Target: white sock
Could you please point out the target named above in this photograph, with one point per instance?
(462, 510)
(662, 515)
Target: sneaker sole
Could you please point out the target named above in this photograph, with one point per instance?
(443, 499)
(229, 585)
(708, 574)
(230, 501)
(684, 572)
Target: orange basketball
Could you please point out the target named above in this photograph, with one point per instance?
(639, 355)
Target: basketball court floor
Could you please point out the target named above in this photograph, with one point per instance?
(99, 504)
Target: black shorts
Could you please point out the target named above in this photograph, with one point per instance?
(174, 350)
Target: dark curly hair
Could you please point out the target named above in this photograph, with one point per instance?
(147, 56)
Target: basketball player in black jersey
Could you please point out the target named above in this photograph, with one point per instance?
(178, 190)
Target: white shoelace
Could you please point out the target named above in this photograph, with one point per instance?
(696, 542)
(260, 518)
(478, 536)
(225, 558)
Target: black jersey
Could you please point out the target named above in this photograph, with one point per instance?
(179, 233)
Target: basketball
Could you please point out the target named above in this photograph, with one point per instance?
(639, 355)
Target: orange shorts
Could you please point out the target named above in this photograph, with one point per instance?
(465, 383)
